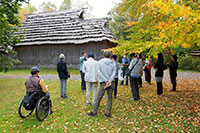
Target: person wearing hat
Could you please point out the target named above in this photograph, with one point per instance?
(173, 66)
(63, 75)
(106, 76)
(35, 84)
(91, 79)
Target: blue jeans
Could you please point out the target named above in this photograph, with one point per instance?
(63, 88)
(124, 73)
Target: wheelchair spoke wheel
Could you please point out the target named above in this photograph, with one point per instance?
(42, 108)
(23, 113)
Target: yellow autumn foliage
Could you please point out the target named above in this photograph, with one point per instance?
(22, 14)
(164, 26)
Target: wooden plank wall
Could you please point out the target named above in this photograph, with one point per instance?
(47, 56)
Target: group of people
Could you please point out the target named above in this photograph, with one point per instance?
(135, 78)
(105, 72)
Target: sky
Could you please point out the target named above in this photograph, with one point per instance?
(100, 8)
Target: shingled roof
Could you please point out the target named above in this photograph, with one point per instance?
(64, 27)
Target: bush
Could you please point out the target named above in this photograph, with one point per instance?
(196, 63)
(188, 62)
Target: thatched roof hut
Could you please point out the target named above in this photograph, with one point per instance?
(195, 53)
(51, 33)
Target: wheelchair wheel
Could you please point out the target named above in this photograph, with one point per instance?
(42, 108)
(23, 113)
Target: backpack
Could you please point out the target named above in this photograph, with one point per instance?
(28, 102)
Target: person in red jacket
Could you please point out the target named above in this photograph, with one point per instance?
(147, 69)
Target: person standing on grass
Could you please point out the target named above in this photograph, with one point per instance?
(173, 66)
(136, 68)
(125, 64)
(106, 74)
(147, 70)
(83, 58)
(90, 71)
(159, 67)
(141, 74)
(63, 75)
(114, 59)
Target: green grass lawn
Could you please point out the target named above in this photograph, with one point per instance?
(42, 71)
(172, 111)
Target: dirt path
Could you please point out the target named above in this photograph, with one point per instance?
(181, 75)
(48, 76)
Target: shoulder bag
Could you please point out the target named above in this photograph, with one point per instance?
(129, 71)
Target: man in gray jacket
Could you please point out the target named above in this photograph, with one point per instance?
(106, 73)
(137, 67)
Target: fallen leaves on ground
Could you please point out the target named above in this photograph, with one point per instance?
(173, 111)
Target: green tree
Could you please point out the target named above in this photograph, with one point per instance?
(160, 26)
(22, 14)
(66, 4)
(29, 9)
(48, 7)
(117, 24)
(9, 23)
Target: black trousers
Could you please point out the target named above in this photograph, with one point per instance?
(148, 75)
(173, 81)
(83, 84)
(140, 81)
(124, 73)
(116, 85)
(159, 88)
(134, 88)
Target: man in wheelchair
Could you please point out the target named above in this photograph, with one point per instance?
(36, 87)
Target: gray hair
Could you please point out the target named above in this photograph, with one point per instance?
(107, 54)
(61, 56)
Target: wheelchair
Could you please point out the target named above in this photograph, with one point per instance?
(42, 107)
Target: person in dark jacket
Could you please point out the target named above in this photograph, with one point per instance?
(173, 66)
(83, 58)
(114, 59)
(159, 66)
(63, 75)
